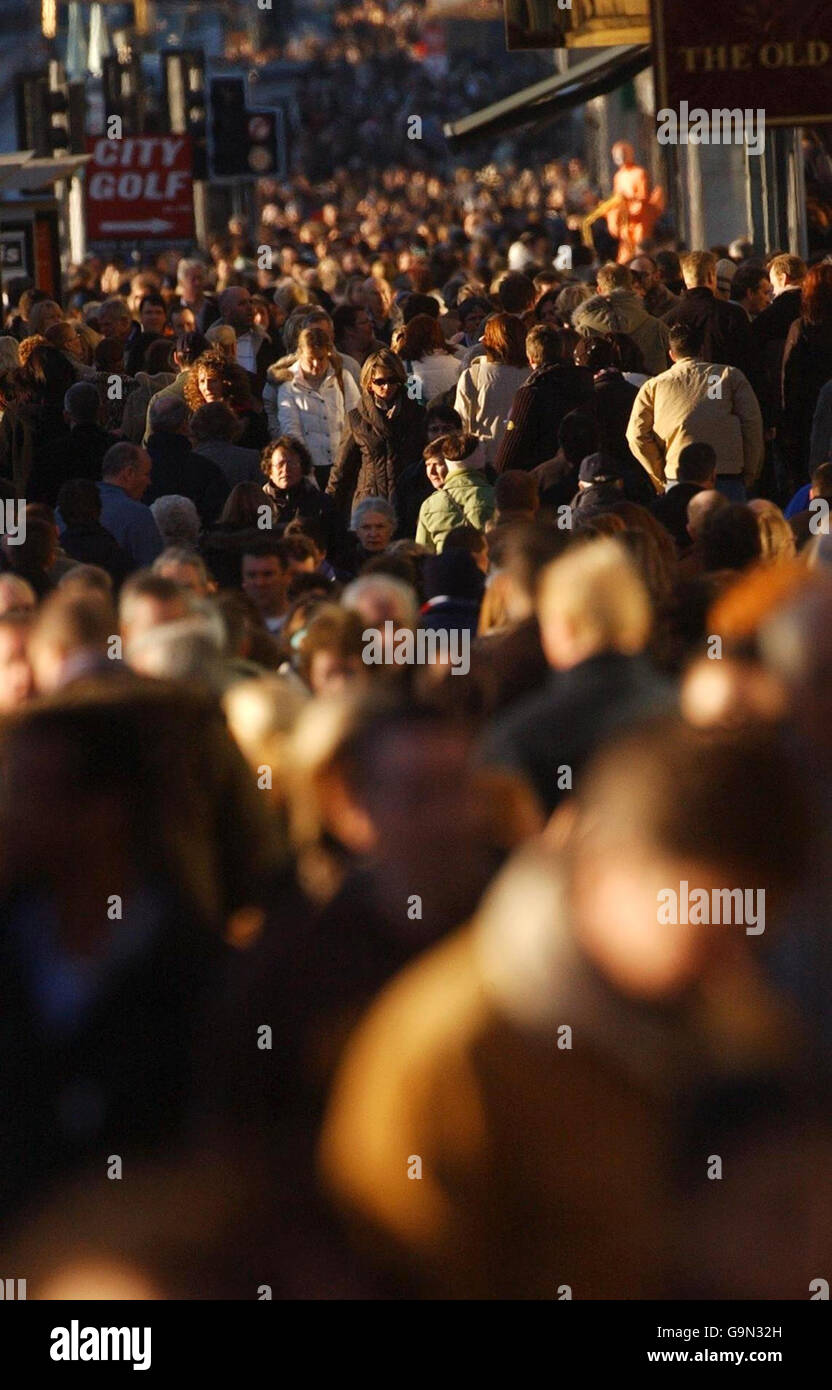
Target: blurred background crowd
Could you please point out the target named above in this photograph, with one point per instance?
(357, 968)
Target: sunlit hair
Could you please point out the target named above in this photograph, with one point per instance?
(596, 590)
(613, 277)
(495, 611)
(816, 294)
(394, 595)
(235, 387)
(790, 267)
(384, 360)
(292, 445)
(314, 336)
(504, 339)
(776, 535)
(698, 267)
(332, 629)
(222, 335)
(421, 336)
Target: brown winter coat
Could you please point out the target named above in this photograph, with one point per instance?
(376, 452)
(484, 1159)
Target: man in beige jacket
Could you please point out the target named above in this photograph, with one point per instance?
(698, 402)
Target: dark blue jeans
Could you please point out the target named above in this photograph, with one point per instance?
(731, 486)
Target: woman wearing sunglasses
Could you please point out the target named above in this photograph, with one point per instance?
(387, 434)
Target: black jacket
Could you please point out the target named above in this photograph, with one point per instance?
(769, 330)
(807, 366)
(671, 509)
(134, 361)
(90, 543)
(563, 724)
(177, 469)
(305, 502)
(77, 454)
(531, 435)
(725, 329)
(376, 452)
(613, 400)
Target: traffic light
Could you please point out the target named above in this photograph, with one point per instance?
(244, 143)
(261, 143)
(51, 112)
(184, 86)
(228, 117)
(122, 84)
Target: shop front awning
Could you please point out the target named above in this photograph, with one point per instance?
(21, 172)
(605, 70)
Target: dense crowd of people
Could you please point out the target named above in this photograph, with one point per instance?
(397, 600)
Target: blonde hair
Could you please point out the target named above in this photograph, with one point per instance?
(790, 267)
(697, 268)
(776, 536)
(495, 612)
(597, 589)
(222, 336)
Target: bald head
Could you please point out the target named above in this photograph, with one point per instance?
(236, 308)
(702, 505)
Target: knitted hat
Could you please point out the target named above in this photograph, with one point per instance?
(725, 272)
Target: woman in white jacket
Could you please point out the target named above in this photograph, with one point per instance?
(311, 401)
(486, 389)
(431, 368)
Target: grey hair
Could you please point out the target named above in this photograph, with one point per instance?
(369, 505)
(167, 413)
(180, 555)
(177, 520)
(189, 263)
(9, 353)
(114, 307)
(187, 649)
(81, 402)
(403, 598)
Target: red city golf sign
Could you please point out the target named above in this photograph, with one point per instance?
(140, 188)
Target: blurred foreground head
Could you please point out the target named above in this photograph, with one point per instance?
(128, 783)
(592, 600)
(670, 804)
(795, 642)
(576, 1058)
(397, 787)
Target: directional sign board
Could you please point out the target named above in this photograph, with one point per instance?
(140, 188)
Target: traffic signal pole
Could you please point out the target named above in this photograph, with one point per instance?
(185, 89)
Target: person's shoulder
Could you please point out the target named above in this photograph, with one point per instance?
(433, 506)
(825, 395)
(733, 312)
(513, 728)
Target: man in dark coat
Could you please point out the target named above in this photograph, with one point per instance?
(176, 468)
(595, 621)
(724, 327)
(697, 471)
(84, 538)
(552, 390)
(76, 455)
